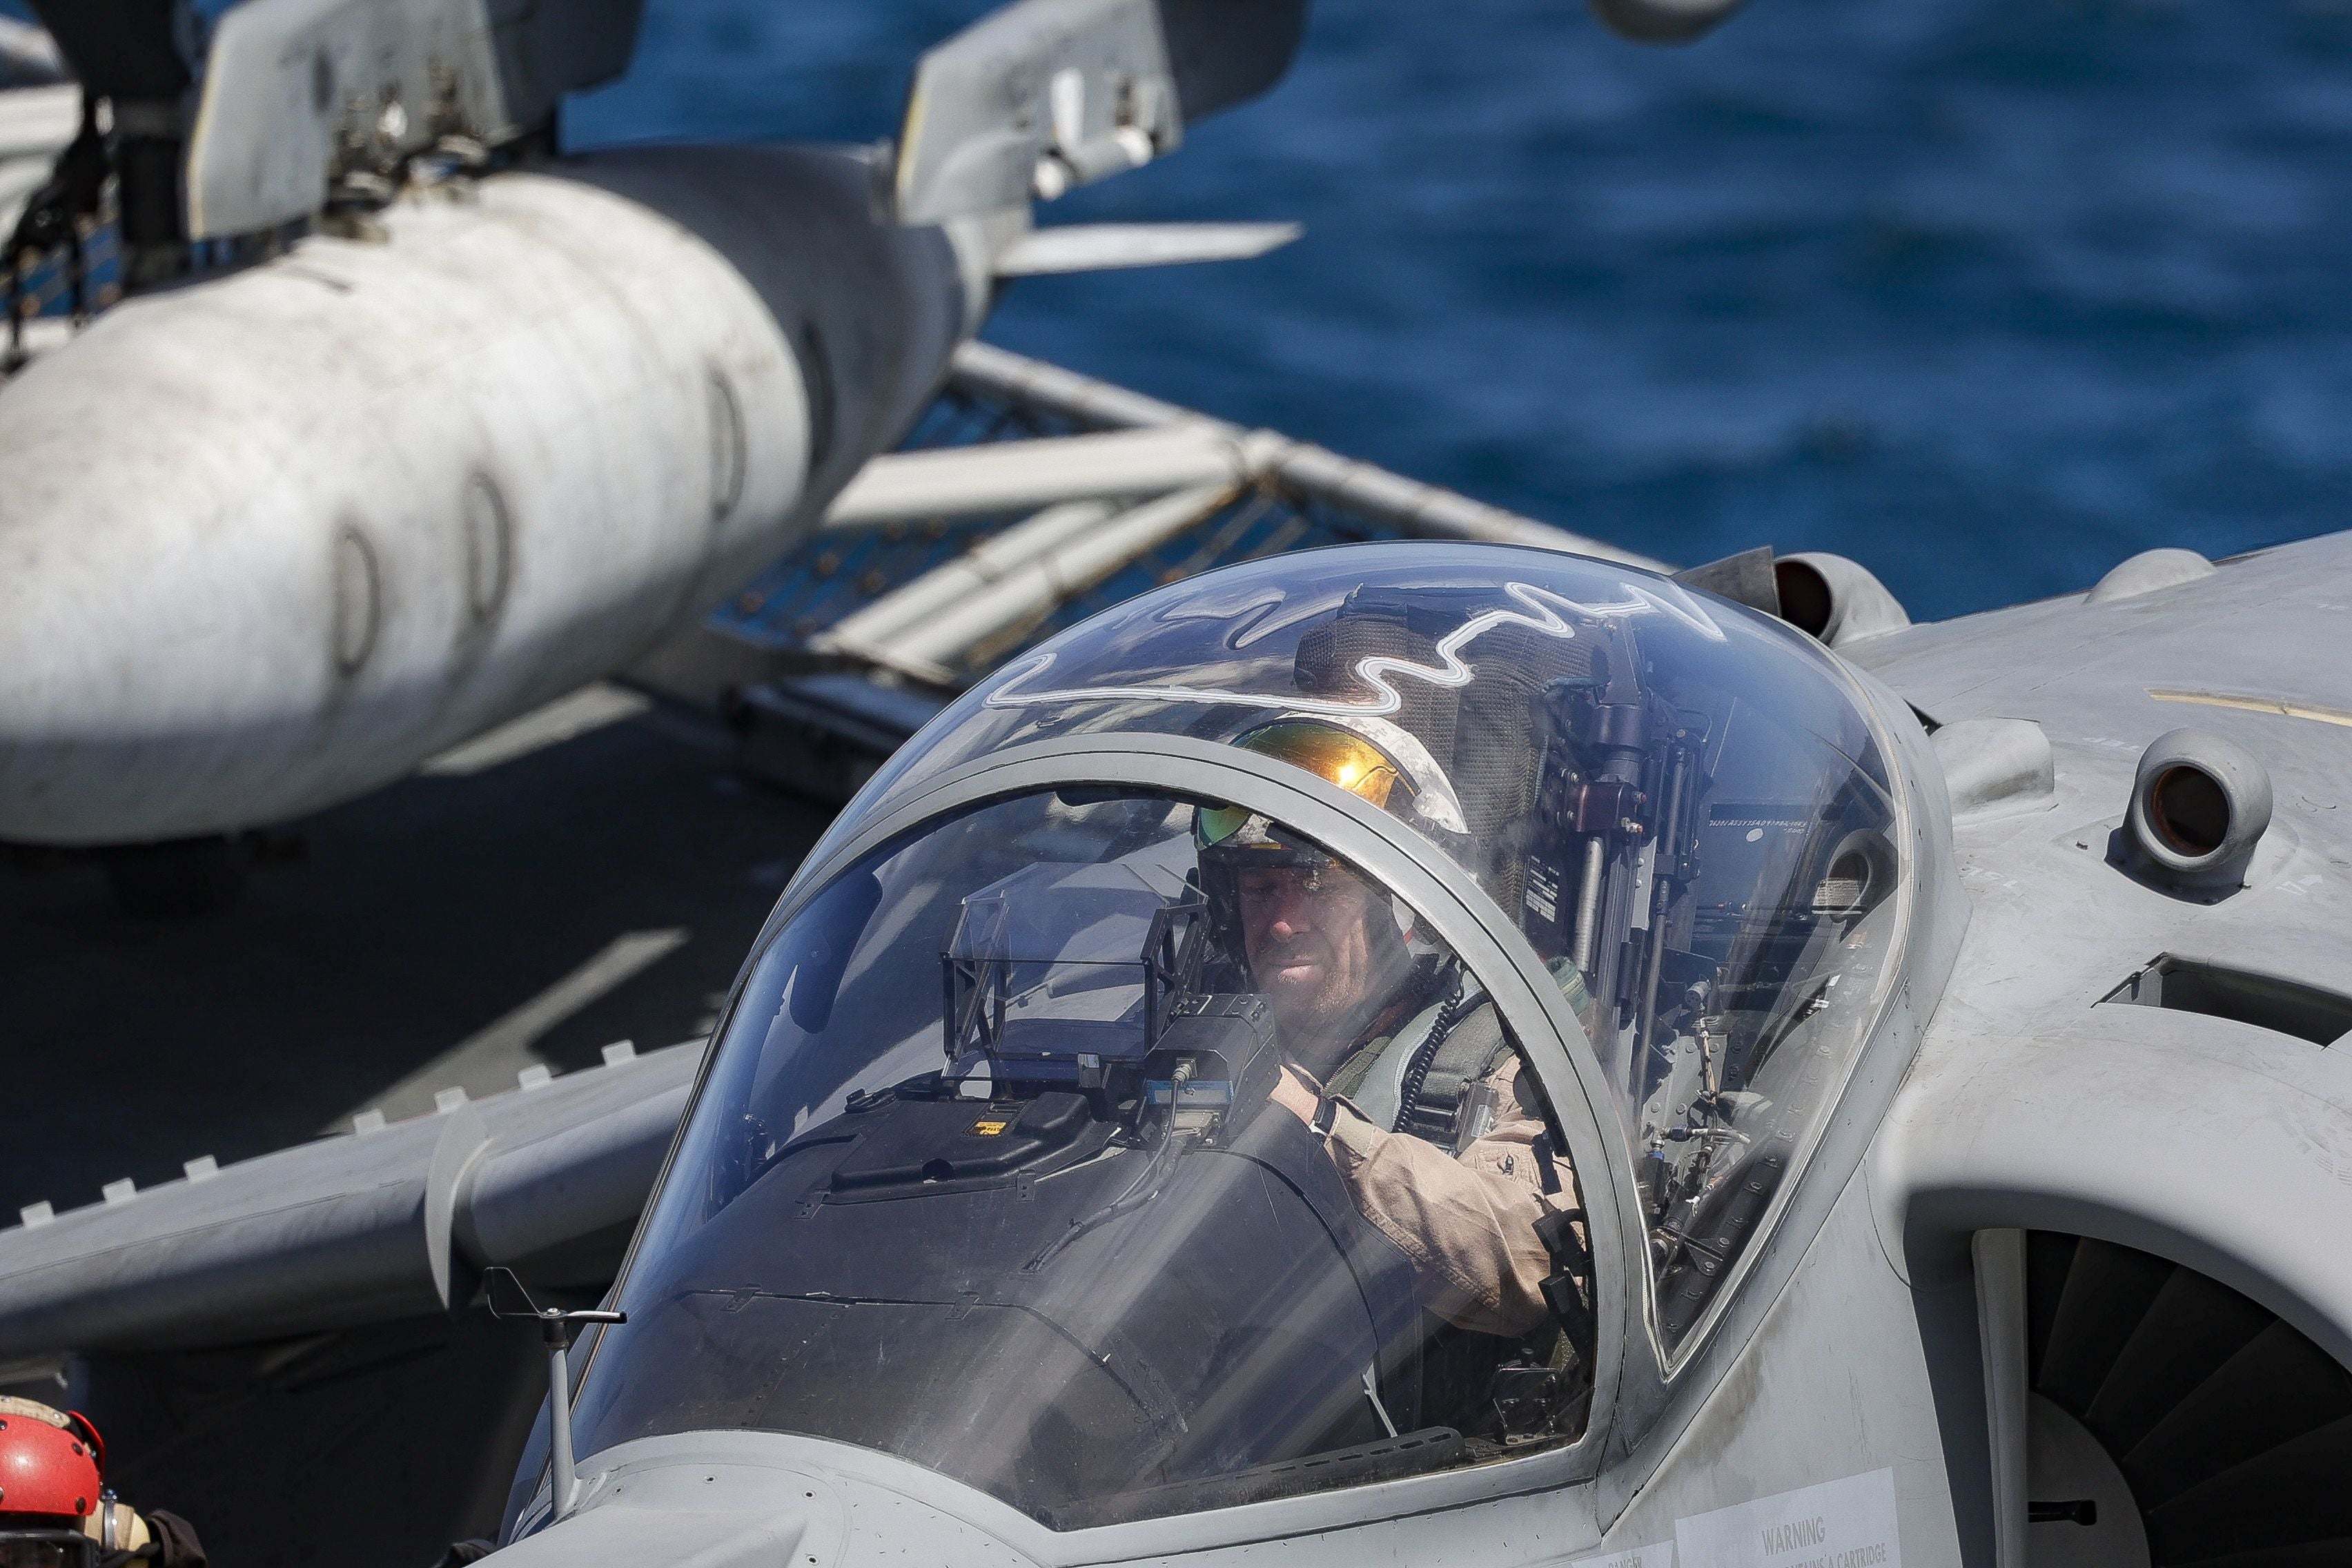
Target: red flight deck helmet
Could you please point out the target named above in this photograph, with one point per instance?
(49, 1463)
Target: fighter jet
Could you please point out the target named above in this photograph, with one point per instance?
(1447, 1052)
(1444, 1052)
(408, 425)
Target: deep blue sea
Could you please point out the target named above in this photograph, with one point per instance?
(1987, 293)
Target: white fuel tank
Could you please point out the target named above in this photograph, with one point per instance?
(268, 540)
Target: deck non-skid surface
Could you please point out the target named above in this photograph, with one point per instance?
(447, 930)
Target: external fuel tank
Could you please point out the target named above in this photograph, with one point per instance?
(269, 538)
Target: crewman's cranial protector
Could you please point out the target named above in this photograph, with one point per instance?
(50, 1468)
(53, 1511)
(1367, 757)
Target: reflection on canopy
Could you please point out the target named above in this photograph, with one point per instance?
(1681, 799)
(997, 1098)
(992, 1173)
(1543, 613)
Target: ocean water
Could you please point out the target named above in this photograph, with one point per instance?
(1988, 294)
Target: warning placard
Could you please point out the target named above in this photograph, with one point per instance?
(1837, 1524)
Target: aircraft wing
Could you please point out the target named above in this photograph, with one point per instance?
(2250, 635)
(368, 1225)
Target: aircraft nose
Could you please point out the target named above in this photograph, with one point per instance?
(737, 1499)
(653, 1523)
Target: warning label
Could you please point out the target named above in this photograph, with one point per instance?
(1838, 1525)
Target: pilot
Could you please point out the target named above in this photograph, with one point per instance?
(55, 1511)
(1393, 1057)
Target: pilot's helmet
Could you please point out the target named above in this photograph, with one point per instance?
(1368, 756)
(1486, 733)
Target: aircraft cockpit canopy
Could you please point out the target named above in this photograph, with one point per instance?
(1124, 1150)
(1685, 800)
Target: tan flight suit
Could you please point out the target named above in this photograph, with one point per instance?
(1467, 1221)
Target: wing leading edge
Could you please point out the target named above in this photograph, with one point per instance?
(356, 1228)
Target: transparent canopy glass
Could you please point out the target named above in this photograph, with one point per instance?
(1123, 1155)
(1014, 1161)
(1682, 797)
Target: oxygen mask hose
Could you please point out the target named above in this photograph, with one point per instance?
(1416, 1072)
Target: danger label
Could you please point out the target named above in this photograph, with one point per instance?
(1837, 1524)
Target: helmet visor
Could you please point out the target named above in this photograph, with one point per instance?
(1330, 754)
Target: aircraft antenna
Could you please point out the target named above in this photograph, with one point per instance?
(509, 1301)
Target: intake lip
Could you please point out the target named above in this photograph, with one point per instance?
(2199, 806)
